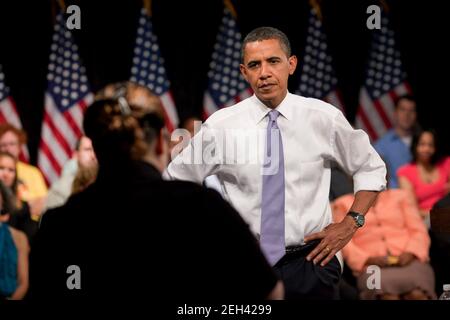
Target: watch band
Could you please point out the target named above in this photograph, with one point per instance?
(357, 217)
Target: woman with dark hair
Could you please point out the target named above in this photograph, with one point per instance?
(20, 214)
(14, 250)
(428, 174)
(396, 240)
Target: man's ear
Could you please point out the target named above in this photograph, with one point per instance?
(243, 71)
(292, 64)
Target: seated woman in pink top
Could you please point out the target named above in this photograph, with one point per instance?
(427, 176)
(395, 239)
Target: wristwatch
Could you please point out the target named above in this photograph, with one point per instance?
(359, 218)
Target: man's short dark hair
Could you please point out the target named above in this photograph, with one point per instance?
(408, 97)
(267, 33)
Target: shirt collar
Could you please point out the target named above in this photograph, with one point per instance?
(394, 135)
(260, 110)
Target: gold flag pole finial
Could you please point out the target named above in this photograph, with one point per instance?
(62, 5)
(148, 7)
(384, 5)
(229, 5)
(316, 6)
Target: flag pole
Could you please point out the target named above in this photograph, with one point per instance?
(148, 7)
(62, 5)
(385, 5)
(57, 7)
(229, 5)
(315, 4)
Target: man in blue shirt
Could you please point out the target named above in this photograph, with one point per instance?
(394, 146)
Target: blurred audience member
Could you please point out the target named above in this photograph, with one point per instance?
(394, 146)
(20, 216)
(191, 124)
(14, 250)
(78, 174)
(395, 239)
(35, 189)
(428, 174)
(112, 229)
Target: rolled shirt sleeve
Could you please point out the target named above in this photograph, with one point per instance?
(354, 153)
(198, 160)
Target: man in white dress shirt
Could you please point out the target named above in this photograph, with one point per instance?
(300, 136)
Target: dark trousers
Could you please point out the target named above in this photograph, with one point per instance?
(305, 281)
(440, 258)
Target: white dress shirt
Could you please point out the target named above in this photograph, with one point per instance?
(231, 145)
(213, 182)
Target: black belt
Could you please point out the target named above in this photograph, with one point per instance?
(302, 249)
(297, 251)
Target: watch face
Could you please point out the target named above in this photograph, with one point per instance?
(360, 220)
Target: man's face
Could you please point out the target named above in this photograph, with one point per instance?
(405, 114)
(85, 155)
(267, 68)
(9, 142)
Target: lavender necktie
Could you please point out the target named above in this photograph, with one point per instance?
(273, 187)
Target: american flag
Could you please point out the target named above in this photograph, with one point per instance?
(317, 76)
(66, 98)
(148, 68)
(226, 86)
(385, 81)
(9, 114)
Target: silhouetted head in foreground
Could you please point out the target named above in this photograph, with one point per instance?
(122, 133)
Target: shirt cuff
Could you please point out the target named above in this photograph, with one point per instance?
(368, 182)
